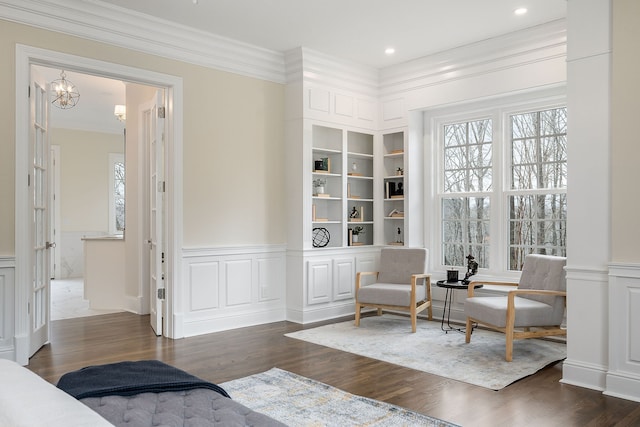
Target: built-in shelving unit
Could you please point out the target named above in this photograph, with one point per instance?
(342, 172)
(393, 146)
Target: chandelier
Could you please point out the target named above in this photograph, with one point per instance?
(64, 93)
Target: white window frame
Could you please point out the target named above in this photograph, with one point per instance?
(113, 159)
(498, 110)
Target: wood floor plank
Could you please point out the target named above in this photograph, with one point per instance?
(538, 400)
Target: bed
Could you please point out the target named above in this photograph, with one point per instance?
(151, 393)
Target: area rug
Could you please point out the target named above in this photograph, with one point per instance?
(481, 362)
(299, 401)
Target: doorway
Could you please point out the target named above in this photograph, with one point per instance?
(27, 56)
(87, 149)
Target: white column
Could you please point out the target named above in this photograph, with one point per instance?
(589, 217)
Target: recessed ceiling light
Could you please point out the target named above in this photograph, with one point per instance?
(520, 11)
(389, 51)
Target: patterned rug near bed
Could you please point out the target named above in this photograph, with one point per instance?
(481, 362)
(299, 401)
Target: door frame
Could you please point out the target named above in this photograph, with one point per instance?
(27, 56)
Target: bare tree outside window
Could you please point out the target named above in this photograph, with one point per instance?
(537, 219)
(467, 169)
(118, 189)
(535, 193)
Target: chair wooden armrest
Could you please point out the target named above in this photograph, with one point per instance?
(414, 282)
(359, 275)
(537, 292)
(472, 284)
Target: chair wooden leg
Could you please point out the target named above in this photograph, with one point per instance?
(379, 312)
(414, 319)
(468, 330)
(357, 314)
(509, 349)
(430, 311)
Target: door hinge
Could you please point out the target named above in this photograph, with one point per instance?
(161, 112)
(161, 293)
(29, 92)
(28, 180)
(161, 186)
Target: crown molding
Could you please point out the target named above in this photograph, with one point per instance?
(534, 44)
(106, 23)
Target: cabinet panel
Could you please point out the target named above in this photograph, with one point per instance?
(238, 281)
(344, 278)
(318, 282)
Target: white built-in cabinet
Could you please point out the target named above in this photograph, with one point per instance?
(342, 187)
(393, 149)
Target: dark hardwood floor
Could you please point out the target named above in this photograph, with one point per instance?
(539, 400)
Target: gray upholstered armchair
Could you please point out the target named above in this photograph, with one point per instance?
(535, 309)
(401, 284)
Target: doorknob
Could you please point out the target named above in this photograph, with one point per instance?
(50, 245)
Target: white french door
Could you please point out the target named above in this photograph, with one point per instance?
(154, 134)
(39, 151)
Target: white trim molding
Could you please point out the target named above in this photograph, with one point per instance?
(117, 26)
(623, 376)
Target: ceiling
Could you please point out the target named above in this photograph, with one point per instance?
(355, 30)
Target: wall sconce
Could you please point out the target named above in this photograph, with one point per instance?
(120, 112)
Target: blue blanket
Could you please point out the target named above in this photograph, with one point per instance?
(130, 378)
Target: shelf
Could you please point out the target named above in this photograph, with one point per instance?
(360, 155)
(326, 151)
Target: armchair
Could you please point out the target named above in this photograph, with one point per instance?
(535, 309)
(401, 284)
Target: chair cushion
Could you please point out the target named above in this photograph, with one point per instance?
(398, 264)
(493, 310)
(389, 294)
(545, 272)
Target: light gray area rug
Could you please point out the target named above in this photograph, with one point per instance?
(481, 362)
(300, 401)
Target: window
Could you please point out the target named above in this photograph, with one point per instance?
(116, 193)
(537, 201)
(502, 187)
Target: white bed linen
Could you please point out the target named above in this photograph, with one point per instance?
(28, 400)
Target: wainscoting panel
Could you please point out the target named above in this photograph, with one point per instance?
(270, 280)
(623, 376)
(237, 281)
(204, 289)
(227, 288)
(7, 304)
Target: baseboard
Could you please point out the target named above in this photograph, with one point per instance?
(584, 375)
(624, 387)
(232, 321)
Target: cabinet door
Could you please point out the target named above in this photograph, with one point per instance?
(344, 277)
(318, 282)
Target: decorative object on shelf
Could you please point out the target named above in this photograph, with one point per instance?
(320, 237)
(354, 213)
(399, 190)
(355, 232)
(399, 172)
(396, 214)
(318, 186)
(64, 93)
(323, 165)
(472, 268)
(399, 239)
(354, 170)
